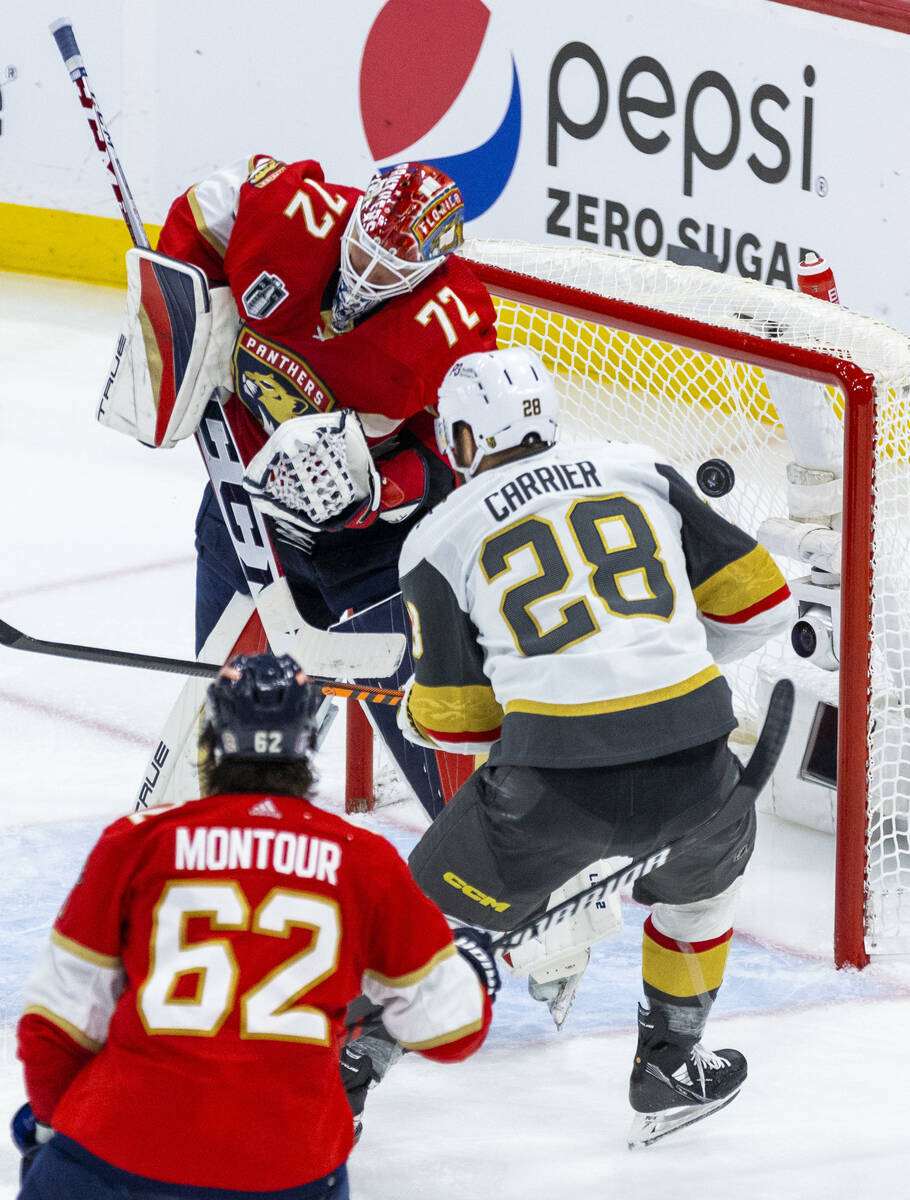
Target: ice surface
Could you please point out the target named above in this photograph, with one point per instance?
(97, 548)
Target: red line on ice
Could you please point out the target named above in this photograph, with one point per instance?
(73, 718)
(99, 577)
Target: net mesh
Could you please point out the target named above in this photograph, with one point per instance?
(692, 405)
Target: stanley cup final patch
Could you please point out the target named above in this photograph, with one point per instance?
(263, 295)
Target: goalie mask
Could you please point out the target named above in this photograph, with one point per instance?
(261, 708)
(506, 396)
(402, 228)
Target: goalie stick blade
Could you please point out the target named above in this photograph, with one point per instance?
(321, 651)
(347, 655)
(648, 1128)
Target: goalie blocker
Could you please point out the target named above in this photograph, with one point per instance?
(173, 352)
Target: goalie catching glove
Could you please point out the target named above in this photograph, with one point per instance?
(316, 473)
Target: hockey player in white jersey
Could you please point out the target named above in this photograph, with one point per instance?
(569, 606)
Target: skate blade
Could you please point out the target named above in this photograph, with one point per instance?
(563, 1000)
(648, 1128)
(558, 995)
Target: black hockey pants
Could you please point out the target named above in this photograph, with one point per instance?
(346, 570)
(513, 834)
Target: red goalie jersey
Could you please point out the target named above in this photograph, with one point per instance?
(273, 232)
(184, 1022)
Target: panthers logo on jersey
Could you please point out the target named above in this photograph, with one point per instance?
(275, 384)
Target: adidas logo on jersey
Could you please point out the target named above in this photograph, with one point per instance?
(266, 808)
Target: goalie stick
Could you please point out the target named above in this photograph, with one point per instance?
(323, 653)
(15, 639)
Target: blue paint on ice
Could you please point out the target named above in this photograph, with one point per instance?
(48, 858)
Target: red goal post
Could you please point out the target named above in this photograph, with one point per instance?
(696, 363)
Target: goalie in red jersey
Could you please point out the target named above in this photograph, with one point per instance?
(323, 318)
(352, 310)
(182, 1029)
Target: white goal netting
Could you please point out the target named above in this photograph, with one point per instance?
(695, 395)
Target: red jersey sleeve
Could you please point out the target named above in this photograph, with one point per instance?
(73, 990)
(433, 1002)
(199, 224)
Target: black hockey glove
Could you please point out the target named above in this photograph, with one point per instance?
(365, 1062)
(476, 945)
(28, 1137)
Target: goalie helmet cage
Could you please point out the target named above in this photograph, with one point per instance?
(684, 359)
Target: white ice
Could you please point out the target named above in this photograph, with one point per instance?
(97, 549)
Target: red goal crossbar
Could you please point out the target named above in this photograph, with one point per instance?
(858, 389)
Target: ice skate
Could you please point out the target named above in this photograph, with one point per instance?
(558, 991)
(675, 1082)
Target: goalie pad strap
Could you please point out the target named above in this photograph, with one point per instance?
(173, 352)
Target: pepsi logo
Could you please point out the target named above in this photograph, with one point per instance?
(455, 103)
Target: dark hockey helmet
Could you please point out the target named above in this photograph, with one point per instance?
(261, 708)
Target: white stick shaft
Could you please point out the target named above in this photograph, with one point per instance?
(69, 50)
(365, 656)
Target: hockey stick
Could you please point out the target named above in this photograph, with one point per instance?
(756, 773)
(15, 639)
(66, 44)
(364, 655)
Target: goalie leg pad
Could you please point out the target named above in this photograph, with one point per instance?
(562, 948)
(173, 352)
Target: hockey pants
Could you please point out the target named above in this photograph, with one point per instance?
(348, 570)
(63, 1170)
(513, 834)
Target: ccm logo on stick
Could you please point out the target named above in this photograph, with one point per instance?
(647, 97)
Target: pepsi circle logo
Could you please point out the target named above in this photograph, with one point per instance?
(455, 103)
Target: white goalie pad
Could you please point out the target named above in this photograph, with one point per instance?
(314, 468)
(173, 352)
(566, 942)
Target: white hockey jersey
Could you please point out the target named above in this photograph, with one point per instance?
(569, 609)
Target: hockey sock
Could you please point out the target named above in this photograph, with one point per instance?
(682, 978)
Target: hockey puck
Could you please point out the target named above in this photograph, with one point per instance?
(715, 478)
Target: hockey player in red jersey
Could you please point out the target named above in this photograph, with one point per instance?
(182, 1029)
(350, 306)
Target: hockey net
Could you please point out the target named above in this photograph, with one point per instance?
(701, 366)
